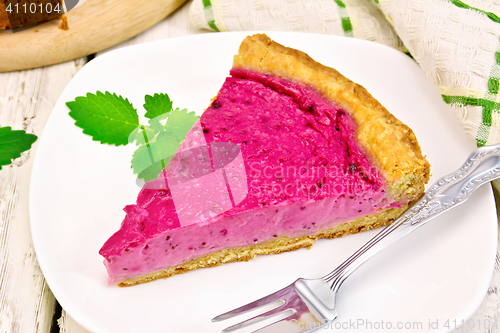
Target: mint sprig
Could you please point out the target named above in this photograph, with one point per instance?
(158, 105)
(107, 117)
(113, 120)
(13, 143)
(159, 144)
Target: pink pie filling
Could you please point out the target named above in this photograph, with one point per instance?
(268, 158)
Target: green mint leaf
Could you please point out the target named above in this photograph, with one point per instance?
(108, 118)
(137, 135)
(149, 161)
(157, 105)
(180, 122)
(159, 146)
(155, 125)
(152, 171)
(13, 143)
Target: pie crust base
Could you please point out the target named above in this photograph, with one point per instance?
(274, 246)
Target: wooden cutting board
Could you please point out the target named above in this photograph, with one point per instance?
(94, 26)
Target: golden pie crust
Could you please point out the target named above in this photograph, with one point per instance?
(274, 246)
(392, 146)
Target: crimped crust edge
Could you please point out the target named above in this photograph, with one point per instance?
(391, 145)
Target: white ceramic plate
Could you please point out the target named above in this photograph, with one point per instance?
(437, 275)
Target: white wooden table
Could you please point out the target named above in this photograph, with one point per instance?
(26, 101)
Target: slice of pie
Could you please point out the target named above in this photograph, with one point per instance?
(289, 151)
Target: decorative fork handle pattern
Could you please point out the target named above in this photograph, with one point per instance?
(482, 166)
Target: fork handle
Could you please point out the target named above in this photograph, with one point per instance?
(482, 166)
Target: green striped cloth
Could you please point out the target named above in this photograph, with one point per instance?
(456, 43)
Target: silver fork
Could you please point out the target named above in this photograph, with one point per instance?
(309, 304)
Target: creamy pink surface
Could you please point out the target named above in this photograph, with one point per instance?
(268, 158)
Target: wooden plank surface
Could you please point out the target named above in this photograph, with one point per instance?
(26, 101)
(94, 26)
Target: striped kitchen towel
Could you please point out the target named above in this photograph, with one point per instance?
(456, 42)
